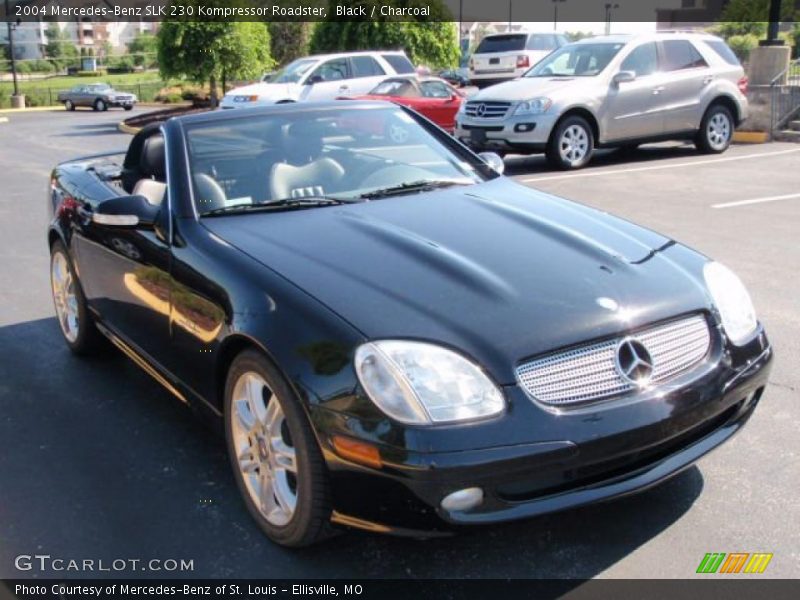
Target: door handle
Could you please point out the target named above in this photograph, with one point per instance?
(343, 88)
(659, 89)
(707, 80)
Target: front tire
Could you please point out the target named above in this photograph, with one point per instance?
(128, 107)
(72, 312)
(716, 130)
(276, 462)
(571, 144)
(100, 105)
(69, 105)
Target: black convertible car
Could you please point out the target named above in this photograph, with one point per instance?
(392, 335)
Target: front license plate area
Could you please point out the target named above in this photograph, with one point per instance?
(477, 136)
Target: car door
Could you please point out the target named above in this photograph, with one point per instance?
(329, 80)
(633, 108)
(366, 74)
(125, 270)
(79, 96)
(687, 74)
(439, 103)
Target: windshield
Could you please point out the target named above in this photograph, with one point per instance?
(335, 153)
(292, 72)
(576, 60)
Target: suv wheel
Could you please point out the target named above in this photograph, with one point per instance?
(276, 461)
(100, 105)
(571, 144)
(716, 130)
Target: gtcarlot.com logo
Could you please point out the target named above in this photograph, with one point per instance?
(735, 562)
(44, 563)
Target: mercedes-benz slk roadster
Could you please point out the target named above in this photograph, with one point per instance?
(391, 334)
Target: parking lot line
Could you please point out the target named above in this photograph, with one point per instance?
(659, 167)
(755, 201)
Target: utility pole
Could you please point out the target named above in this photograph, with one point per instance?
(11, 48)
(510, 4)
(774, 23)
(555, 13)
(609, 8)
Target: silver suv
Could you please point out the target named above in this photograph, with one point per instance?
(612, 91)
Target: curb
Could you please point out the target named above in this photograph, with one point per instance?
(750, 137)
(125, 128)
(8, 111)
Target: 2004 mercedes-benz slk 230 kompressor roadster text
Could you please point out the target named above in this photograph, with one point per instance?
(393, 335)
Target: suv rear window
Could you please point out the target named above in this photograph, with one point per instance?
(502, 43)
(399, 63)
(724, 52)
(681, 54)
(542, 42)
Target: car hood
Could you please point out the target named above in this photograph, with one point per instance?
(497, 270)
(526, 88)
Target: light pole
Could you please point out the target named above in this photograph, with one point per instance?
(510, 5)
(609, 7)
(11, 29)
(555, 13)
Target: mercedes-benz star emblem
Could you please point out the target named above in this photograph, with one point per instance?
(634, 362)
(480, 110)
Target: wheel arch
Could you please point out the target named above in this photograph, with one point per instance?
(580, 111)
(729, 103)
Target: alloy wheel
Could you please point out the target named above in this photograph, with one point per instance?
(65, 297)
(718, 131)
(574, 144)
(265, 454)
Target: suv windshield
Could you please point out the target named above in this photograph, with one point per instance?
(576, 60)
(311, 158)
(292, 72)
(502, 43)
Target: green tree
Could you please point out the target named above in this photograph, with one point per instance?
(213, 51)
(61, 51)
(144, 50)
(289, 40)
(749, 17)
(432, 39)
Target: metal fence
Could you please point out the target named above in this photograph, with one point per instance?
(38, 95)
(785, 93)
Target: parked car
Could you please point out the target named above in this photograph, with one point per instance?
(613, 91)
(503, 56)
(99, 96)
(431, 97)
(391, 335)
(456, 77)
(321, 77)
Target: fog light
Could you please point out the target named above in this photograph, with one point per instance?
(463, 499)
(524, 127)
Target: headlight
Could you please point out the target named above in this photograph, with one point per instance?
(423, 384)
(732, 301)
(533, 107)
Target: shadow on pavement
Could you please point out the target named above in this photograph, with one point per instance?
(100, 462)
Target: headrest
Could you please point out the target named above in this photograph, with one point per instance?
(153, 162)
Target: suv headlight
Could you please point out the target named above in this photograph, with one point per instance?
(424, 384)
(536, 106)
(732, 301)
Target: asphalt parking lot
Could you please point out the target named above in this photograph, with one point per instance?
(98, 461)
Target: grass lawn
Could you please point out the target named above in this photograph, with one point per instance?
(43, 92)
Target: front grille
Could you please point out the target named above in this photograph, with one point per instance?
(589, 373)
(487, 110)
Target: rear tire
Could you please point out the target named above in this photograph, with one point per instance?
(571, 144)
(100, 105)
(128, 107)
(72, 312)
(277, 464)
(716, 130)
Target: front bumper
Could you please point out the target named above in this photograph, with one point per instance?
(615, 451)
(122, 102)
(515, 133)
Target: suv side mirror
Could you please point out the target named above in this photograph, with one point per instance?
(126, 211)
(494, 161)
(624, 77)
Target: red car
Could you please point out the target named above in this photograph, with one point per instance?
(430, 96)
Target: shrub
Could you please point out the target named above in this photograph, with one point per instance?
(97, 73)
(742, 45)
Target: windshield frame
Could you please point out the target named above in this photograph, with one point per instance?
(533, 72)
(278, 76)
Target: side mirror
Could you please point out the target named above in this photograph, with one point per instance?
(314, 79)
(624, 77)
(494, 161)
(126, 211)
